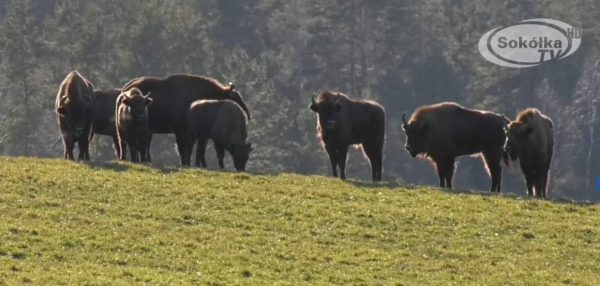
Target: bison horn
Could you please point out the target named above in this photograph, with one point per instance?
(313, 99)
(148, 94)
(404, 117)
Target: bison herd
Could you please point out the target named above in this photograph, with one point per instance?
(197, 108)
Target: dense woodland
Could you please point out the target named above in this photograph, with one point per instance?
(401, 53)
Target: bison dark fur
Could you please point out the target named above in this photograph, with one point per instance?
(447, 130)
(75, 110)
(343, 122)
(104, 121)
(530, 138)
(132, 124)
(224, 122)
(173, 96)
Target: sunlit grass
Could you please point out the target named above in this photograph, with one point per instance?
(111, 223)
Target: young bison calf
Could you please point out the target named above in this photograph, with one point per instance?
(224, 122)
(132, 124)
(531, 139)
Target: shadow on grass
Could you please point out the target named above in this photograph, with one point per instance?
(125, 166)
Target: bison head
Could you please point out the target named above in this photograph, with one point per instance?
(327, 110)
(137, 103)
(416, 136)
(516, 137)
(237, 97)
(241, 153)
(76, 111)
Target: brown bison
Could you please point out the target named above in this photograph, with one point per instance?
(343, 122)
(447, 130)
(75, 110)
(224, 122)
(530, 138)
(173, 96)
(104, 121)
(132, 124)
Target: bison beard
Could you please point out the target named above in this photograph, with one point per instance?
(445, 131)
(173, 96)
(75, 110)
(343, 122)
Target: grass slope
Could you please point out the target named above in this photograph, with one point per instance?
(120, 224)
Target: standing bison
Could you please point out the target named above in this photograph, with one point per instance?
(75, 110)
(173, 96)
(343, 122)
(104, 121)
(447, 130)
(530, 138)
(224, 122)
(132, 124)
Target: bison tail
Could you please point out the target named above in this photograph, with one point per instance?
(506, 160)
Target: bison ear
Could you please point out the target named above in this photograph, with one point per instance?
(249, 147)
(313, 107)
(61, 110)
(528, 130)
(338, 107)
(148, 101)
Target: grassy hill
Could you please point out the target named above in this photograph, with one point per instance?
(121, 224)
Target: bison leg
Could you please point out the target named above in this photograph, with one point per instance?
(445, 169)
(492, 162)
(332, 152)
(528, 182)
(117, 147)
(200, 153)
(148, 144)
(83, 145)
(449, 171)
(183, 147)
(441, 174)
(132, 142)
(122, 150)
(69, 145)
(220, 154)
(539, 185)
(376, 160)
(342, 155)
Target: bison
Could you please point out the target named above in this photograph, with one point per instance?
(530, 138)
(173, 96)
(104, 121)
(224, 122)
(132, 124)
(444, 131)
(75, 110)
(342, 122)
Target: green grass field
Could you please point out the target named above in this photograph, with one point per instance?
(65, 223)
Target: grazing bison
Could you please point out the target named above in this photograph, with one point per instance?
(447, 130)
(343, 122)
(173, 96)
(530, 138)
(75, 110)
(104, 121)
(132, 124)
(224, 122)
